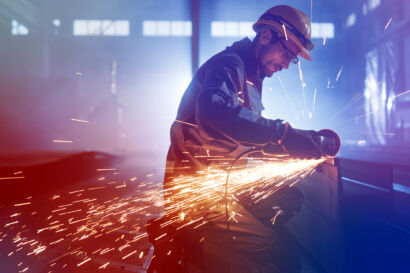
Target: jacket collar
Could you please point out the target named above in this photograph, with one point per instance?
(244, 48)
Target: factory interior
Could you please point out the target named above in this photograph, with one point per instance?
(89, 91)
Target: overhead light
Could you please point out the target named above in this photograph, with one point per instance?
(56, 22)
(18, 28)
(351, 20)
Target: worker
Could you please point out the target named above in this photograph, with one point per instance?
(220, 116)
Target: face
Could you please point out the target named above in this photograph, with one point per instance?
(276, 56)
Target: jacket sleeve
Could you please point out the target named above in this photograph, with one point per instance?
(219, 109)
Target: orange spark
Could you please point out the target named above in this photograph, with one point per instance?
(56, 242)
(62, 141)
(104, 265)
(12, 177)
(96, 188)
(68, 212)
(72, 192)
(22, 204)
(187, 123)
(83, 262)
(129, 254)
(12, 223)
(108, 169)
(80, 120)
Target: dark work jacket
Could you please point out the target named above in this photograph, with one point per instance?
(220, 113)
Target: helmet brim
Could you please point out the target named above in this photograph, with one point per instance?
(305, 54)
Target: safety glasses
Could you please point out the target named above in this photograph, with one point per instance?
(289, 55)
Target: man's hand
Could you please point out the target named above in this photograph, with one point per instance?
(303, 143)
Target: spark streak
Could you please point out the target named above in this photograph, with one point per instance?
(287, 96)
(80, 120)
(12, 177)
(338, 74)
(84, 217)
(12, 223)
(187, 123)
(129, 254)
(22, 204)
(303, 88)
(284, 30)
(314, 101)
(401, 94)
(104, 265)
(83, 262)
(62, 141)
(388, 23)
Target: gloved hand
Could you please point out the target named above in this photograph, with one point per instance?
(303, 143)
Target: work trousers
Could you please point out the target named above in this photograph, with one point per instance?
(255, 246)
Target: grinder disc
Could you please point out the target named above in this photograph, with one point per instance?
(332, 134)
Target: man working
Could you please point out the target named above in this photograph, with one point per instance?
(220, 116)
(221, 108)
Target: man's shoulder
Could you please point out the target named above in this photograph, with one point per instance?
(227, 59)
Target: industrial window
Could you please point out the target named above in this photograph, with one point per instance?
(101, 28)
(241, 29)
(231, 29)
(351, 20)
(372, 4)
(166, 28)
(18, 28)
(321, 30)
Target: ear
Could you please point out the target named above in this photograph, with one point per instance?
(265, 37)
